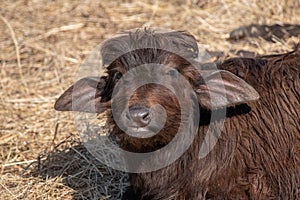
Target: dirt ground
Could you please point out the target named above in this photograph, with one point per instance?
(43, 43)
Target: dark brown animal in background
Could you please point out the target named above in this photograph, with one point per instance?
(268, 32)
(257, 155)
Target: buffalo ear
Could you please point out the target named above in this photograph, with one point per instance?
(224, 89)
(83, 96)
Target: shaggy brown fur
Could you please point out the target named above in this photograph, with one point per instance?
(257, 155)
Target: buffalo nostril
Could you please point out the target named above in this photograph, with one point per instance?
(140, 115)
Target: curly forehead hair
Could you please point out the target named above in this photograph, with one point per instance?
(132, 46)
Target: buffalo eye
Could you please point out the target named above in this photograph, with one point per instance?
(173, 72)
(117, 76)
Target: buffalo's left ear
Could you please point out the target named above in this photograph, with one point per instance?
(223, 89)
(83, 96)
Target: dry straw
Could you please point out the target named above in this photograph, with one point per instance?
(42, 44)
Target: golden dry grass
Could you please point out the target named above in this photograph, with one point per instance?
(43, 42)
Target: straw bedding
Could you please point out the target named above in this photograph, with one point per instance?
(42, 44)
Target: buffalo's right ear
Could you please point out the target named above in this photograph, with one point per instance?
(224, 89)
(83, 96)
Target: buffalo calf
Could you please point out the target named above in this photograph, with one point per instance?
(256, 155)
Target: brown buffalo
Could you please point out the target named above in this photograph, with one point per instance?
(257, 153)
